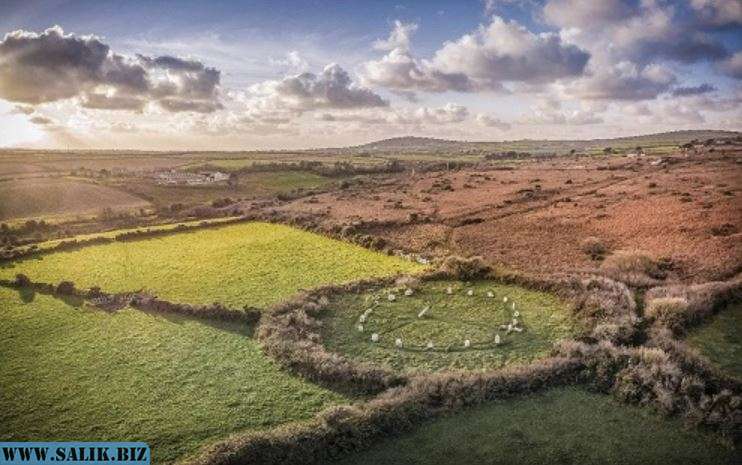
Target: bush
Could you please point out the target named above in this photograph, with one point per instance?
(633, 267)
(465, 268)
(65, 288)
(594, 247)
(669, 311)
(22, 280)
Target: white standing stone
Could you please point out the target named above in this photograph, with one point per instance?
(497, 338)
(490, 294)
(467, 343)
(391, 297)
(398, 342)
(470, 292)
(449, 290)
(505, 300)
(515, 322)
(362, 318)
(375, 337)
(408, 292)
(360, 328)
(423, 312)
(430, 345)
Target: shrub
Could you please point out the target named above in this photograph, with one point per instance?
(22, 280)
(594, 247)
(65, 288)
(669, 311)
(633, 267)
(465, 268)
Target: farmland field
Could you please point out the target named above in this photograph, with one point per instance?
(40, 197)
(250, 185)
(721, 340)
(561, 426)
(449, 321)
(173, 382)
(253, 264)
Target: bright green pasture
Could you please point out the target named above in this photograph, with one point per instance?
(449, 322)
(69, 373)
(561, 426)
(721, 340)
(254, 264)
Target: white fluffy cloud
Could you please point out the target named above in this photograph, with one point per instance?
(623, 81)
(642, 31)
(502, 51)
(332, 88)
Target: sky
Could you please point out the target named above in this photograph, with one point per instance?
(248, 75)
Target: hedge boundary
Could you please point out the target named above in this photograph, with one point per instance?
(140, 300)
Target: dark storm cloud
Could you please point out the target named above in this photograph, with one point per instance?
(37, 68)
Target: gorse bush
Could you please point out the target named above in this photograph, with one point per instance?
(632, 267)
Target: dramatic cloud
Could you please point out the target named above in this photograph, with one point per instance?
(640, 31)
(624, 81)
(332, 88)
(482, 60)
(697, 90)
(51, 66)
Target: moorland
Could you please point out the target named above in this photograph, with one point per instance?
(534, 301)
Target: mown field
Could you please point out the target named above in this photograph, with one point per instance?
(31, 198)
(173, 382)
(253, 264)
(721, 340)
(449, 321)
(560, 426)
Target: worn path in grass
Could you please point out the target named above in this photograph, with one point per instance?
(76, 373)
(561, 426)
(721, 340)
(254, 264)
(450, 320)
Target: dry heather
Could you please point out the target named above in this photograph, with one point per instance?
(679, 307)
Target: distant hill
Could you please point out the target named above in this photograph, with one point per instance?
(411, 144)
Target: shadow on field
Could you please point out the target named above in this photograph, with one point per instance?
(27, 294)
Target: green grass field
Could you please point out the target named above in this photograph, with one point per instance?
(561, 426)
(450, 321)
(721, 340)
(254, 264)
(81, 374)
